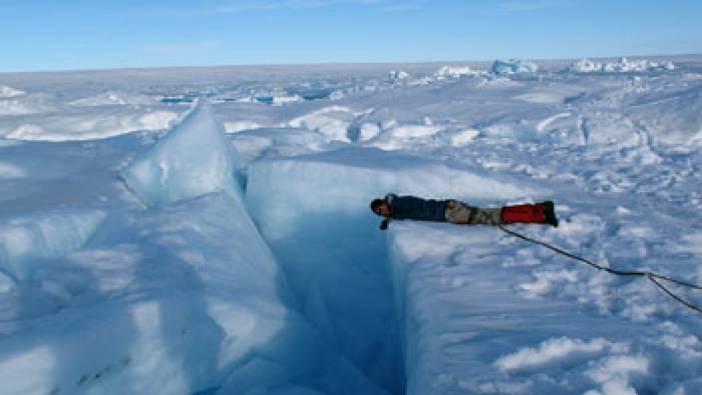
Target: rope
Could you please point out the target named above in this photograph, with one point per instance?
(654, 277)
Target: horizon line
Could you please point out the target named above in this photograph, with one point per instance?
(378, 63)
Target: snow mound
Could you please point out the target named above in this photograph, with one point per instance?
(333, 122)
(585, 66)
(80, 126)
(260, 143)
(275, 98)
(554, 351)
(463, 137)
(286, 99)
(513, 66)
(6, 91)
(155, 120)
(193, 159)
(413, 131)
(113, 98)
(26, 104)
(455, 72)
(622, 66)
(397, 75)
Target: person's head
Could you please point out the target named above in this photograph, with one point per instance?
(380, 207)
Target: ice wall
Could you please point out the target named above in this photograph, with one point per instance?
(192, 160)
(313, 211)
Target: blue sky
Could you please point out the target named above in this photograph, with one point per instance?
(81, 34)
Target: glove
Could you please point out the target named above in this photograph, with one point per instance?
(384, 224)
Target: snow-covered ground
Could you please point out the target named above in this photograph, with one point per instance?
(206, 230)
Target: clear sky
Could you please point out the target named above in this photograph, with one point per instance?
(83, 34)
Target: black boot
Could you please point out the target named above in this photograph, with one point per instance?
(550, 214)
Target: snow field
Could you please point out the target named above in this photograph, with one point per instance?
(466, 331)
(181, 293)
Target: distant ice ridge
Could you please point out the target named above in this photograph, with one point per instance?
(622, 66)
(192, 160)
(455, 72)
(513, 66)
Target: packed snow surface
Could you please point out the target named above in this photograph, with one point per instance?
(206, 230)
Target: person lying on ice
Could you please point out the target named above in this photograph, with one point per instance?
(456, 212)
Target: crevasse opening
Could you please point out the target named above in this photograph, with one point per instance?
(313, 212)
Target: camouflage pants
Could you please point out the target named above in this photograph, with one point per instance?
(462, 214)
